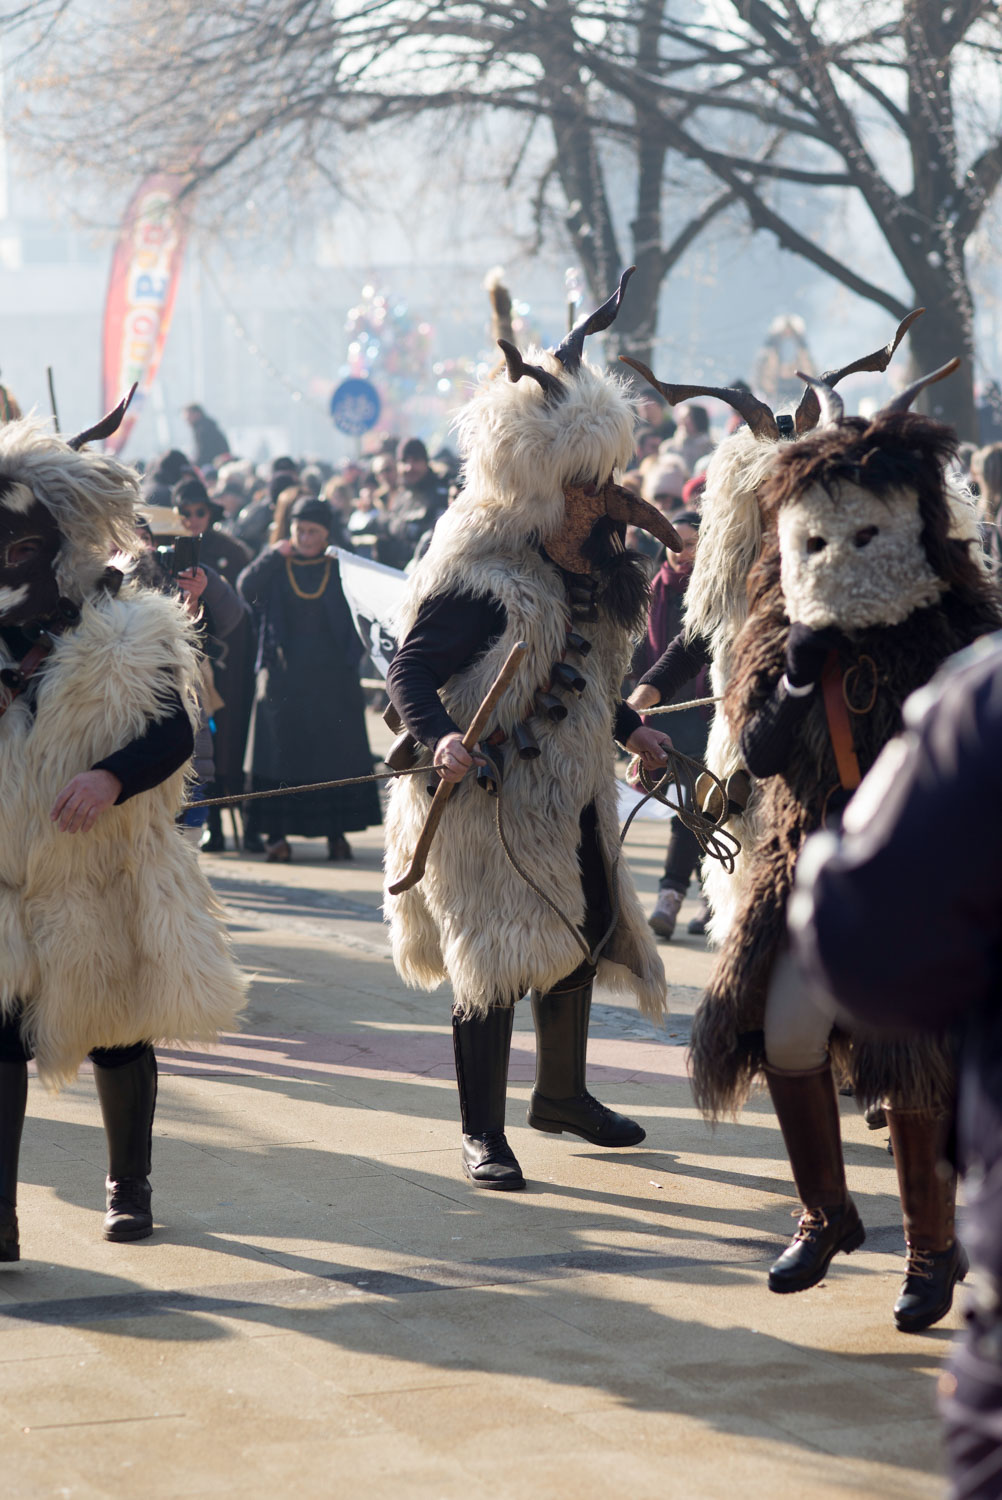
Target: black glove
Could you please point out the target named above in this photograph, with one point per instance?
(807, 651)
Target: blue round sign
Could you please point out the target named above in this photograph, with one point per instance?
(355, 406)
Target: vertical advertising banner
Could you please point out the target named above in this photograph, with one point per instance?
(145, 271)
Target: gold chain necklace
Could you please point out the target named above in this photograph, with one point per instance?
(301, 593)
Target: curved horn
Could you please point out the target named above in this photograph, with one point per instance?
(571, 348)
(830, 405)
(517, 367)
(905, 398)
(624, 506)
(809, 410)
(755, 412)
(107, 425)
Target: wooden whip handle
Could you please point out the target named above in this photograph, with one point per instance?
(443, 791)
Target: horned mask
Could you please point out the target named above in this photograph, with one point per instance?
(595, 508)
(850, 523)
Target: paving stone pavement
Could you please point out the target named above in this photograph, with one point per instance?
(328, 1309)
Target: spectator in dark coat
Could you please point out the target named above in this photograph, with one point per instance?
(900, 952)
(207, 436)
(309, 714)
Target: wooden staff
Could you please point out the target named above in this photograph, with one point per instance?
(443, 792)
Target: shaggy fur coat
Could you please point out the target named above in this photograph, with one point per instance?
(113, 936)
(472, 919)
(727, 1045)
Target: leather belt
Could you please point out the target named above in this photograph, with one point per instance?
(839, 725)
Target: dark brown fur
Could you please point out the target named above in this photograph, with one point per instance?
(727, 1047)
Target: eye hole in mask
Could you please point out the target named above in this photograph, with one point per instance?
(816, 544)
(865, 536)
(24, 550)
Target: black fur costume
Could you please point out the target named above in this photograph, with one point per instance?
(892, 452)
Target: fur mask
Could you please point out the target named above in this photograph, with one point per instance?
(854, 559)
(541, 444)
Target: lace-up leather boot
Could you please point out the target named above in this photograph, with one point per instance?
(482, 1046)
(928, 1186)
(807, 1108)
(560, 1100)
(127, 1092)
(13, 1103)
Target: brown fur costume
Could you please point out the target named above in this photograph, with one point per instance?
(894, 452)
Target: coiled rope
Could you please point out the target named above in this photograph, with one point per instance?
(680, 774)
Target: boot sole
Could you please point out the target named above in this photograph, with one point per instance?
(557, 1127)
(124, 1235)
(494, 1184)
(918, 1325)
(848, 1245)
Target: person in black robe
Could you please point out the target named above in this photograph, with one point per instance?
(309, 714)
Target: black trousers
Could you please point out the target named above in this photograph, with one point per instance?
(14, 1049)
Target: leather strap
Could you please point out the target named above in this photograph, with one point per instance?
(839, 724)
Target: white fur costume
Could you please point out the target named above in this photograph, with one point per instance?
(472, 919)
(113, 936)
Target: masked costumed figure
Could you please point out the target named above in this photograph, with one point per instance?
(716, 601)
(110, 937)
(531, 552)
(859, 595)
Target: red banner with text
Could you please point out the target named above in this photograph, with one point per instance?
(145, 271)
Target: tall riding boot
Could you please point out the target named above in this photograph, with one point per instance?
(560, 1099)
(13, 1103)
(928, 1186)
(128, 1095)
(807, 1108)
(482, 1046)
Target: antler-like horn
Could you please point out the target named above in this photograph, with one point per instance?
(626, 507)
(809, 409)
(107, 425)
(755, 412)
(517, 367)
(500, 300)
(830, 404)
(904, 399)
(571, 348)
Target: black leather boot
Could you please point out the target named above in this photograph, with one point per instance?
(928, 1186)
(13, 1103)
(806, 1105)
(560, 1100)
(482, 1046)
(128, 1095)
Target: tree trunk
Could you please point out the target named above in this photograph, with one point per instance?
(944, 332)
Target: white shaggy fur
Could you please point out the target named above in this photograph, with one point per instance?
(91, 498)
(716, 607)
(471, 918)
(10, 598)
(832, 575)
(18, 498)
(112, 936)
(520, 451)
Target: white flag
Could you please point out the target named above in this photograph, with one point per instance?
(373, 593)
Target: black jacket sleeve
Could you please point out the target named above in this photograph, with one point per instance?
(679, 663)
(767, 738)
(874, 921)
(450, 631)
(155, 755)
